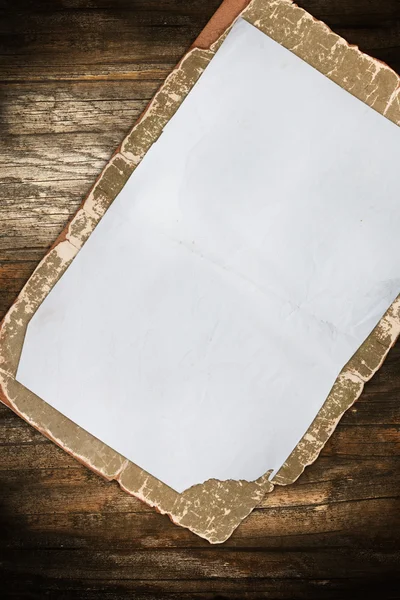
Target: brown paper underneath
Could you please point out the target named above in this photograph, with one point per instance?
(212, 509)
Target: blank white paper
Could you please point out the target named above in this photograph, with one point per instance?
(201, 327)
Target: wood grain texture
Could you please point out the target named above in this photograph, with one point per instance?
(74, 76)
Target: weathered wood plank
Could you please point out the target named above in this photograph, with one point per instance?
(152, 564)
(208, 589)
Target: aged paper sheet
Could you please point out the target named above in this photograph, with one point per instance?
(200, 329)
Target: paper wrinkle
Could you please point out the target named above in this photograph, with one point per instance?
(294, 309)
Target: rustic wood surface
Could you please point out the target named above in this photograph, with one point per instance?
(74, 75)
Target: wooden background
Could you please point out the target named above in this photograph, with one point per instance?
(74, 76)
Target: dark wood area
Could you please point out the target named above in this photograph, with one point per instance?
(74, 76)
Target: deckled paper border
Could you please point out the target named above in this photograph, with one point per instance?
(213, 509)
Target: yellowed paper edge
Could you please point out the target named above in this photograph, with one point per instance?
(213, 509)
